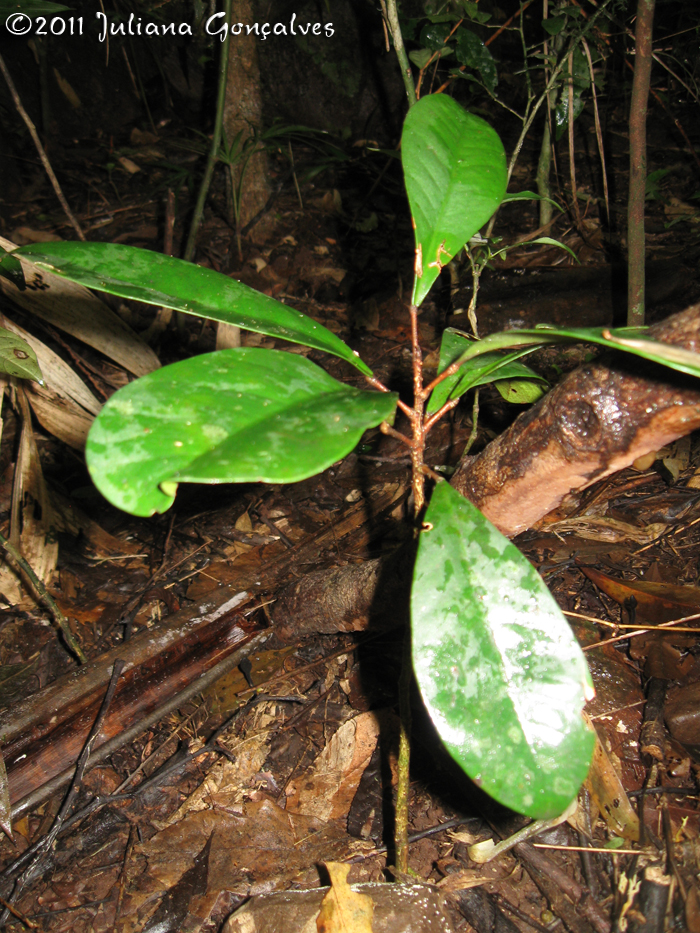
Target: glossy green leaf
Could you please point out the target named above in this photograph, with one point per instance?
(472, 52)
(433, 36)
(30, 8)
(11, 268)
(477, 371)
(632, 340)
(236, 416)
(499, 669)
(455, 171)
(17, 358)
(168, 282)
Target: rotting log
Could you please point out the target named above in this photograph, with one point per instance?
(600, 419)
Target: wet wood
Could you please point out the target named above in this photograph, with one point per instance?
(45, 734)
(42, 737)
(598, 420)
(568, 899)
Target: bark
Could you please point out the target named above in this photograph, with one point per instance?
(243, 109)
(243, 114)
(598, 420)
(638, 161)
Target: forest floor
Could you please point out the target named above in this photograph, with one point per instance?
(246, 786)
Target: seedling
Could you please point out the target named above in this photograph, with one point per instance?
(498, 667)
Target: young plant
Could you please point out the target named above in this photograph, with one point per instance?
(498, 667)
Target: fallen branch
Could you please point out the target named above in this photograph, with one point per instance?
(598, 420)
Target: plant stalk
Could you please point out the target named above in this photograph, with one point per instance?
(40, 149)
(638, 163)
(215, 142)
(418, 486)
(418, 446)
(43, 594)
(391, 15)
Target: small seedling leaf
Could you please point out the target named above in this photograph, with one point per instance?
(477, 371)
(11, 268)
(17, 358)
(169, 282)
(521, 391)
(455, 172)
(235, 416)
(490, 646)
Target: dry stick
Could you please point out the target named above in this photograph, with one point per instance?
(40, 149)
(20, 916)
(214, 148)
(572, 153)
(598, 131)
(638, 163)
(528, 121)
(548, 871)
(43, 595)
(47, 843)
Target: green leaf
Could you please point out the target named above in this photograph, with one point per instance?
(549, 241)
(420, 57)
(472, 52)
(17, 358)
(30, 8)
(479, 370)
(581, 80)
(652, 189)
(632, 340)
(499, 669)
(168, 282)
(472, 10)
(236, 416)
(455, 171)
(554, 25)
(521, 391)
(528, 196)
(11, 268)
(433, 36)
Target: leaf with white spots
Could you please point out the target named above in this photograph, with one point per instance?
(499, 669)
(235, 416)
(168, 282)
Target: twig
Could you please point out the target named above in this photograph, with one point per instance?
(40, 149)
(47, 843)
(215, 141)
(20, 916)
(43, 595)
